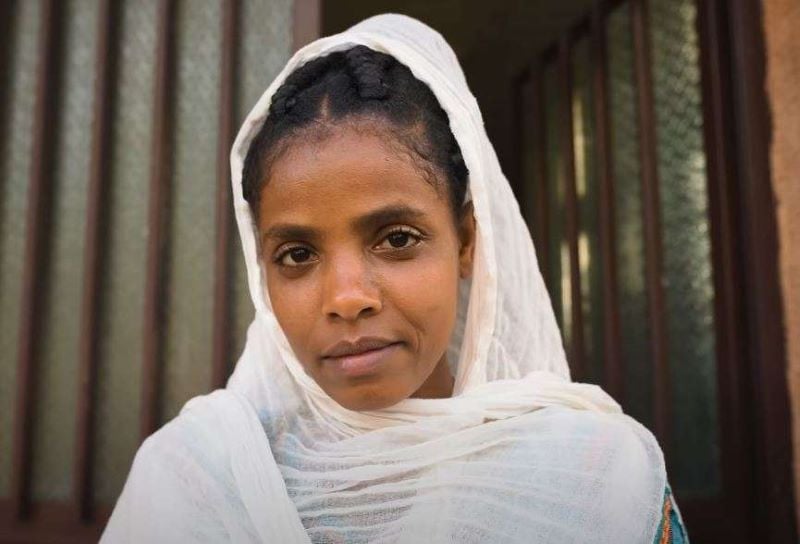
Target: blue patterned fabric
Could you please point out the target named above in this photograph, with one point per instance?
(672, 530)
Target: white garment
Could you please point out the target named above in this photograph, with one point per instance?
(519, 454)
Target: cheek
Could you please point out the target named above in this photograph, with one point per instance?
(426, 294)
(295, 309)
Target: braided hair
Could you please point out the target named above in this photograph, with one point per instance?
(357, 84)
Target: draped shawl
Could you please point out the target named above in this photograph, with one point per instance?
(518, 454)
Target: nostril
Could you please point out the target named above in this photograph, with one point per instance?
(352, 307)
(349, 292)
(352, 303)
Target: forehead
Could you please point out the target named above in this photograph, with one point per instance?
(348, 172)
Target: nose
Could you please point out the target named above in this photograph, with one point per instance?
(349, 292)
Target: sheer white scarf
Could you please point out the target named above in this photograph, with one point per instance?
(519, 454)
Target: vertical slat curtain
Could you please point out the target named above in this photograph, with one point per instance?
(122, 293)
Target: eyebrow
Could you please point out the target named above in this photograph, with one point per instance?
(392, 213)
(285, 231)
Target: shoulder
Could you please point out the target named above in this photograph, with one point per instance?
(202, 434)
(588, 441)
(611, 432)
(181, 487)
(614, 440)
(610, 465)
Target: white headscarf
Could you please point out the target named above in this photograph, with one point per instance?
(518, 454)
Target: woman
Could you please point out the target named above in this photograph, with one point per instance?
(403, 380)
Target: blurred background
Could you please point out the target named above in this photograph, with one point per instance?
(654, 147)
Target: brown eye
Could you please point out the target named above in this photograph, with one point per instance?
(400, 238)
(295, 256)
(300, 254)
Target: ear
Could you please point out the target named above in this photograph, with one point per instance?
(466, 234)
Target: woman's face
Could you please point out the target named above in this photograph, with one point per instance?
(362, 258)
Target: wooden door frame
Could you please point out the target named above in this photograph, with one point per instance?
(744, 119)
(306, 22)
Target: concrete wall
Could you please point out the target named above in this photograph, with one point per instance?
(782, 33)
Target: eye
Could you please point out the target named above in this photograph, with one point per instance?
(400, 238)
(295, 256)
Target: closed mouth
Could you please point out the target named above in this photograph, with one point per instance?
(358, 359)
(347, 348)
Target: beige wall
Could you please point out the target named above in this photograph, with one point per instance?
(782, 24)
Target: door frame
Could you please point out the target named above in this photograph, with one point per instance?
(734, 73)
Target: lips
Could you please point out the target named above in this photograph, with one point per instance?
(359, 357)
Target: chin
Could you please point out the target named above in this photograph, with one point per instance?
(366, 398)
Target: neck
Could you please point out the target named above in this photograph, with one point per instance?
(439, 384)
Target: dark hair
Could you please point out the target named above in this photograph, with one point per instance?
(357, 84)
